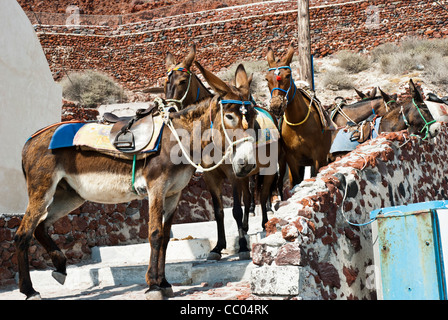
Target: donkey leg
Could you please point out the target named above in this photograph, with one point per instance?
(214, 185)
(170, 208)
(252, 186)
(22, 241)
(40, 196)
(248, 200)
(264, 198)
(65, 200)
(155, 234)
(243, 252)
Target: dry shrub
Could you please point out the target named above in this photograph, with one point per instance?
(353, 62)
(91, 88)
(337, 80)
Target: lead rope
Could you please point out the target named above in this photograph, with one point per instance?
(228, 152)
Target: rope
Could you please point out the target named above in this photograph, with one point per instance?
(228, 152)
(306, 118)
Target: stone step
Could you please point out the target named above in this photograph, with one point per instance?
(229, 269)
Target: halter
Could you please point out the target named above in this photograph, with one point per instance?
(181, 101)
(198, 167)
(291, 84)
(427, 124)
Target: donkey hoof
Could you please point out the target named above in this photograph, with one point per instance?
(244, 255)
(168, 292)
(34, 296)
(59, 277)
(155, 294)
(214, 256)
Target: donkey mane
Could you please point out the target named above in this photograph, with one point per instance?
(358, 103)
(193, 111)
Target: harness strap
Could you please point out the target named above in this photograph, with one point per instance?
(181, 101)
(304, 120)
(229, 149)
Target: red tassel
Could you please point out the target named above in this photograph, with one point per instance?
(279, 78)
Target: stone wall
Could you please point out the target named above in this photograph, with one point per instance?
(134, 53)
(312, 251)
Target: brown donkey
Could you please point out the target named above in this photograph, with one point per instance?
(370, 104)
(60, 180)
(184, 87)
(305, 140)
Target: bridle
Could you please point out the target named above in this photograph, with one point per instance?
(425, 128)
(181, 100)
(291, 84)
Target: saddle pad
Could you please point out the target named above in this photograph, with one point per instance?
(96, 136)
(343, 143)
(64, 134)
(325, 120)
(269, 132)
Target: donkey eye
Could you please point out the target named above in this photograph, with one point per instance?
(181, 82)
(288, 76)
(229, 116)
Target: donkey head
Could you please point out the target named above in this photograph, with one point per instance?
(280, 81)
(238, 115)
(414, 116)
(420, 119)
(178, 78)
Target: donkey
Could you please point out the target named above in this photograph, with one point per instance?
(60, 180)
(182, 87)
(305, 140)
(370, 104)
(412, 115)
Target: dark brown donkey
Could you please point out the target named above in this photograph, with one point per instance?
(60, 180)
(305, 140)
(370, 104)
(183, 87)
(412, 115)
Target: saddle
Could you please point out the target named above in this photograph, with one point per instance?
(133, 133)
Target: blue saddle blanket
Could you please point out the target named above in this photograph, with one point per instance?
(343, 142)
(64, 135)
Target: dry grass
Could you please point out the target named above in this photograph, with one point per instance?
(91, 88)
(429, 56)
(353, 62)
(337, 80)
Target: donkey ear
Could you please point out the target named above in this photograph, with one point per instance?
(415, 93)
(241, 79)
(288, 57)
(170, 61)
(217, 84)
(372, 93)
(249, 80)
(385, 96)
(271, 58)
(360, 94)
(188, 61)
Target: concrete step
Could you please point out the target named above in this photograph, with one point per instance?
(229, 269)
(186, 259)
